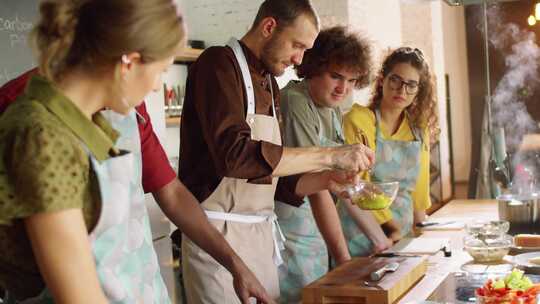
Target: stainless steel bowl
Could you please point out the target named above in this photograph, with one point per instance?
(520, 210)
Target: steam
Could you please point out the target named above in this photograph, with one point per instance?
(522, 56)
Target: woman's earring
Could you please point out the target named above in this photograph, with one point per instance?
(125, 59)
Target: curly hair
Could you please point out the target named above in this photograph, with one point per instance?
(423, 111)
(338, 46)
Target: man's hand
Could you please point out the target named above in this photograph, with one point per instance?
(337, 182)
(247, 286)
(354, 158)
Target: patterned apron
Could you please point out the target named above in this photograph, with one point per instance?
(244, 214)
(126, 263)
(395, 160)
(305, 255)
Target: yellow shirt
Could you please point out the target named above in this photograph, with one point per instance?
(361, 119)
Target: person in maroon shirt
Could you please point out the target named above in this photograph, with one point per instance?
(180, 206)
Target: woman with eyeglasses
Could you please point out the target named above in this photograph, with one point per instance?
(399, 124)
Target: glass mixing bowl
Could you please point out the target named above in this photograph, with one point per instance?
(373, 195)
(488, 250)
(487, 228)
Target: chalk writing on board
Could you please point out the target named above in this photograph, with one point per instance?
(17, 29)
(5, 76)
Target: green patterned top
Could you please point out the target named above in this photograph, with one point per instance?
(44, 168)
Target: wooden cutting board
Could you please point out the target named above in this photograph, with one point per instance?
(345, 284)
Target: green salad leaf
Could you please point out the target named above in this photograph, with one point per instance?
(517, 281)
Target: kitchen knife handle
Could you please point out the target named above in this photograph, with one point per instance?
(377, 274)
(426, 224)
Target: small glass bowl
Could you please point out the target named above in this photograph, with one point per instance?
(373, 195)
(487, 228)
(488, 250)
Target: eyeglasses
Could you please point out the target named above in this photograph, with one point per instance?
(396, 83)
(408, 50)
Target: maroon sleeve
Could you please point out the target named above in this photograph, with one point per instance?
(156, 170)
(15, 87)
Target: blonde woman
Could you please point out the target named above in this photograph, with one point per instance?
(73, 224)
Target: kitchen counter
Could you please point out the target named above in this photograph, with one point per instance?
(341, 284)
(439, 266)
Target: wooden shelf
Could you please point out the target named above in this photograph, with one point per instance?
(172, 121)
(188, 55)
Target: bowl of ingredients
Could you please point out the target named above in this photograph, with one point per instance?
(488, 227)
(373, 195)
(514, 288)
(488, 249)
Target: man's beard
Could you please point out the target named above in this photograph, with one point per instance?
(269, 56)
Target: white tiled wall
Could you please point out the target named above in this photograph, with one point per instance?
(215, 21)
(387, 23)
(380, 22)
(456, 67)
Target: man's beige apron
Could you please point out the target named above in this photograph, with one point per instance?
(244, 214)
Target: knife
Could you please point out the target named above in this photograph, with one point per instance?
(427, 224)
(395, 254)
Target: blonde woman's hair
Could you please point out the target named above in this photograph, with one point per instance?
(96, 33)
(423, 111)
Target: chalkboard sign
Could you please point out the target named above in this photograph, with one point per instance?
(17, 18)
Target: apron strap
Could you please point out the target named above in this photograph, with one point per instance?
(337, 125)
(269, 80)
(377, 123)
(321, 135)
(415, 131)
(244, 70)
(279, 238)
(246, 76)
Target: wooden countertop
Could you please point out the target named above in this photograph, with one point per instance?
(439, 266)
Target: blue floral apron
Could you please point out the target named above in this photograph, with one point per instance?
(395, 160)
(305, 256)
(126, 263)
